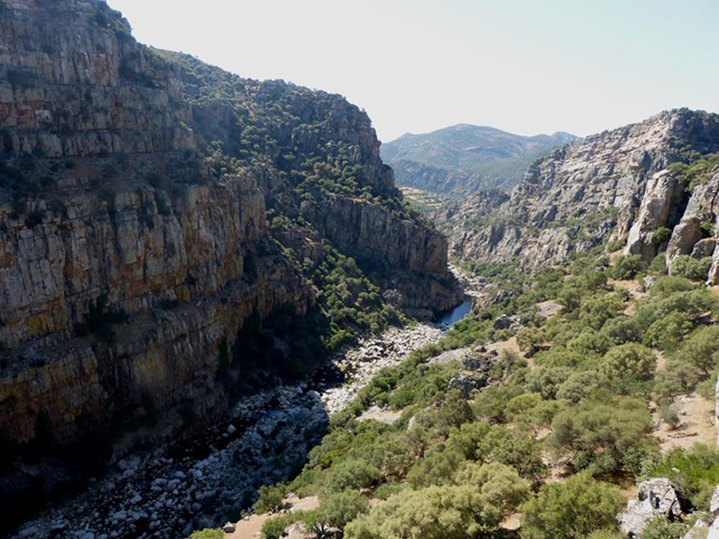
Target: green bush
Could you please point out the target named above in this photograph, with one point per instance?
(341, 508)
(691, 268)
(629, 361)
(701, 349)
(602, 437)
(207, 533)
(627, 267)
(694, 472)
(661, 528)
(666, 333)
(571, 510)
(271, 498)
(661, 235)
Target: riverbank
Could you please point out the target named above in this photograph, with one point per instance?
(265, 439)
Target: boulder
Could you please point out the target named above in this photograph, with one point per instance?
(229, 527)
(655, 498)
(502, 322)
(704, 248)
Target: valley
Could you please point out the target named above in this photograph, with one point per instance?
(228, 310)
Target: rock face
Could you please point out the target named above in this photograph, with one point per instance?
(150, 205)
(477, 371)
(655, 498)
(613, 185)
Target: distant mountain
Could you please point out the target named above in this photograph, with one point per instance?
(464, 158)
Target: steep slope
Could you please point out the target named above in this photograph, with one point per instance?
(610, 186)
(153, 211)
(465, 158)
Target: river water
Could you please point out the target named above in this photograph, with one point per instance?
(451, 317)
(264, 440)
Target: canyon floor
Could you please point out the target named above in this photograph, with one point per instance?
(264, 439)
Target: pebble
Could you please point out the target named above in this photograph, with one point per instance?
(285, 422)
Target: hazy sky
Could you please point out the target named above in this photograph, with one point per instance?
(526, 66)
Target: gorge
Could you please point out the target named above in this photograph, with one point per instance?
(217, 308)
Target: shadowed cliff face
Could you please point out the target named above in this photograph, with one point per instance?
(140, 196)
(610, 186)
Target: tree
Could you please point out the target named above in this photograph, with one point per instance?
(447, 512)
(436, 469)
(602, 437)
(353, 474)
(546, 380)
(595, 311)
(271, 498)
(626, 267)
(691, 268)
(500, 485)
(316, 521)
(274, 528)
(629, 361)
(701, 349)
(341, 508)
(581, 385)
(453, 412)
(572, 509)
(667, 332)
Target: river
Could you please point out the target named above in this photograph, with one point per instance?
(265, 439)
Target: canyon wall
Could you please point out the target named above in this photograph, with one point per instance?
(137, 188)
(610, 186)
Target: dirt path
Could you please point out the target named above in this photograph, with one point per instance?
(251, 528)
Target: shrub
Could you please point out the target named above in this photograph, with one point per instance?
(274, 528)
(691, 268)
(341, 508)
(579, 386)
(271, 498)
(694, 472)
(628, 362)
(572, 509)
(207, 533)
(666, 286)
(667, 332)
(661, 235)
(432, 513)
(701, 349)
(661, 528)
(354, 474)
(627, 267)
(602, 437)
(670, 416)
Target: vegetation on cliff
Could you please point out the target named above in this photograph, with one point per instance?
(576, 399)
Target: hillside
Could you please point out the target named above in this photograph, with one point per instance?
(645, 187)
(463, 159)
(173, 237)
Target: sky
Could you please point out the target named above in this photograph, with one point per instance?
(525, 66)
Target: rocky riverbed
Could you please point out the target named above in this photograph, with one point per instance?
(372, 355)
(211, 480)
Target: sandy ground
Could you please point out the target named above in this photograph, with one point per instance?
(697, 424)
(383, 415)
(252, 526)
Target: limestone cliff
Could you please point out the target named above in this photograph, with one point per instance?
(614, 185)
(135, 190)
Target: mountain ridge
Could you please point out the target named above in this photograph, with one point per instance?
(464, 158)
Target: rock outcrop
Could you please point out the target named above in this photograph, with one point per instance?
(610, 186)
(150, 206)
(655, 498)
